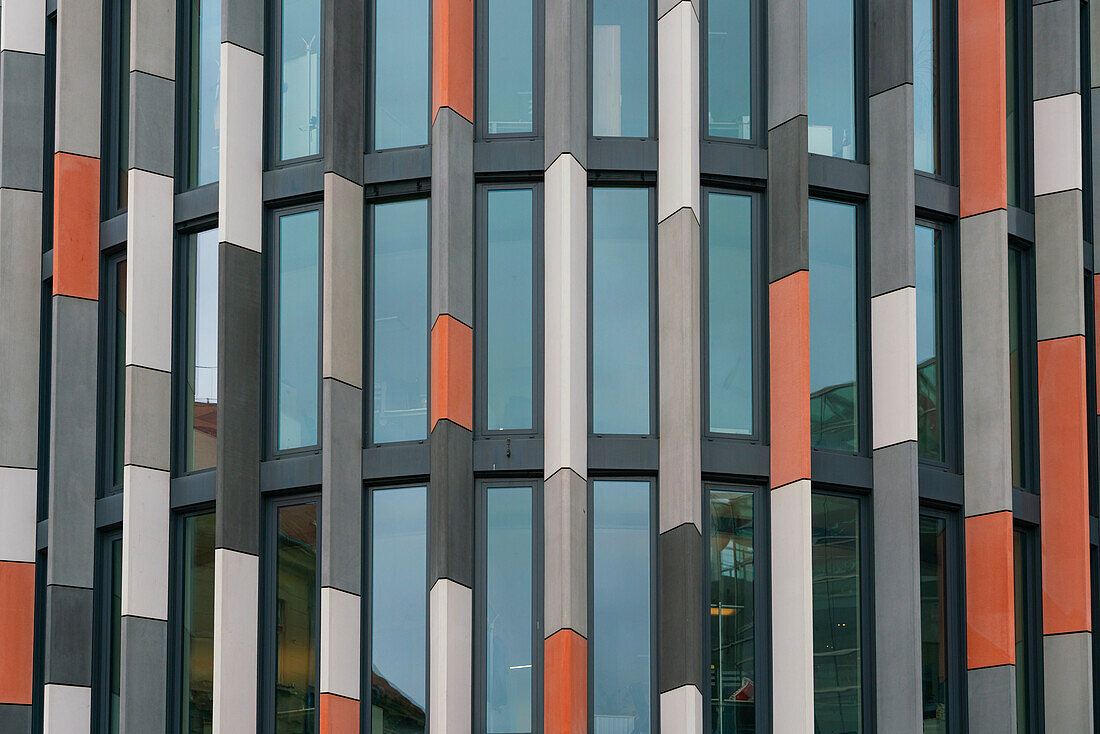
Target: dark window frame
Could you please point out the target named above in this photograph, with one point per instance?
(185, 58)
(481, 75)
(273, 79)
(758, 51)
(1032, 573)
(947, 76)
(861, 73)
(109, 435)
(616, 141)
(371, 75)
(1025, 154)
(112, 102)
(49, 123)
(1029, 380)
(101, 634)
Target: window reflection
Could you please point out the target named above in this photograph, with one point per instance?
(296, 620)
(401, 86)
(929, 369)
(300, 92)
(729, 68)
(205, 55)
(620, 68)
(197, 634)
(933, 615)
(926, 89)
(831, 84)
(118, 297)
(511, 42)
(201, 384)
(299, 328)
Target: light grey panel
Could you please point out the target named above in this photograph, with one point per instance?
(153, 41)
(786, 62)
(891, 208)
(243, 24)
(891, 45)
(1057, 49)
(566, 80)
(788, 202)
(992, 704)
(144, 678)
(79, 77)
(342, 485)
(452, 217)
(681, 655)
(1068, 682)
(22, 77)
(565, 497)
(152, 123)
(1059, 264)
(68, 635)
(451, 505)
(149, 417)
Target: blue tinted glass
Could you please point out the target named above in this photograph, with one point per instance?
(509, 373)
(732, 613)
(834, 397)
(729, 68)
(935, 669)
(399, 611)
(401, 86)
(929, 384)
(296, 601)
(196, 665)
(511, 39)
(621, 598)
(299, 329)
(201, 388)
(926, 98)
(509, 610)
(206, 36)
(400, 350)
(300, 99)
(830, 47)
(730, 291)
(620, 68)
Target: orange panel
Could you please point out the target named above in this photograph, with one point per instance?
(339, 715)
(76, 226)
(16, 631)
(789, 326)
(452, 372)
(453, 56)
(990, 618)
(1064, 475)
(566, 686)
(983, 162)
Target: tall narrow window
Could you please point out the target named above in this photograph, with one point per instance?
(1028, 664)
(299, 79)
(620, 630)
(399, 353)
(930, 442)
(203, 83)
(196, 659)
(401, 87)
(934, 611)
(834, 319)
(115, 379)
(295, 619)
(510, 85)
(298, 328)
(731, 293)
(831, 84)
(201, 378)
(398, 611)
(1012, 98)
(621, 342)
(113, 628)
(926, 85)
(509, 310)
(117, 101)
(729, 68)
(838, 614)
(1020, 361)
(620, 68)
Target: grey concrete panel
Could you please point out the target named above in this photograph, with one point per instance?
(891, 45)
(565, 561)
(15, 718)
(152, 123)
(786, 62)
(148, 417)
(343, 100)
(153, 37)
(680, 608)
(1067, 682)
(891, 207)
(452, 217)
(566, 80)
(79, 77)
(22, 77)
(243, 24)
(342, 281)
(1056, 47)
(1059, 262)
(788, 202)
(67, 635)
(451, 505)
(239, 427)
(992, 699)
(144, 677)
(342, 485)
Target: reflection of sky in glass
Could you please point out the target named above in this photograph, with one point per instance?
(401, 101)
(206, 316)
(620, 68)
(929, 387)
(511, 41)
(729, 68)
(298, 329)
(301, 80)
(730, 313)
(927, 322)
(832, 294)
(206, 67)
(830, 46)
(925, 97)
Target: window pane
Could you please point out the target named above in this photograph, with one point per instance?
(838, 667)
(926, 81)
(296, 619)
(119, 438)
(206, 31)
(116, 635)
(201, 401)
(620, 68)
(1016, 363)
(1012, 109)
(621, 589)
(732, 613)
(511, 40)
(933, 616)
(1021, 572)
(729, 68)
(122, 84)
(300, 98)
(299, 328)
(509, 610)
(399, 608)
(620, 311)
(509, 322)
(929, 382)
(730, 294)
(400, 331)
(197, 663)
(830, 46)
(401, 87)
(834, 397)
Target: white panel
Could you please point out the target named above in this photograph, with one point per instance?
(450, 609)
(145, 533)
(66, 709)
(682, 710)
(149, 239)
(240, 163)
(342, 284)
(18, 514)
(565, 565)
(894, 367)
(678, 111)
(1057, 144)
(340, 644)
(236, 629)
(23, 26)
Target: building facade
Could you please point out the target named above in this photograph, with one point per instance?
(547, 367)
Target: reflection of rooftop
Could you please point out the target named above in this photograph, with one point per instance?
(395, 702)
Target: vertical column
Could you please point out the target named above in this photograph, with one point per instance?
(240, 233)
(987, 452)
(679, 547)
(68, 638)
(451, 495)
(22, 75)
(1060, 309)
(342, 368)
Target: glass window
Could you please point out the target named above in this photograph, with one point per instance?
(926, 85)
(930, 441)
(115, 387)
(834, 393)
(732, 612)
(1012, 99)
(400, 334)
(300, 79)
(831, 84)
(509, 321)
(402, 104)
(935, 656)
(729, 68)
(620, 630)
(511, 54)
(1021, 378)
(114, 629)
(201, 380)
(299, 328)
(296, 619)
(731, 292)
(203, 88)
(838, 614)
(196, 682)
(1024, 586)
(621, 345)
(118, 97)
(620, 68)
(399, 610)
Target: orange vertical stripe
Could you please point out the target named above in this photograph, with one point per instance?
(452, 394)
(566, 684)
(16, 631)
(990, 618)
(983, 162)
(789, 327)
(453, 56)
(76, 226)
(338, 715)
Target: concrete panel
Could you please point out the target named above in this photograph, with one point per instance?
(236, 611)
(68, 635)
(681, 651)
(786, 64)
(342, 485)
(15, 718)
(145, 534)
(1057, 144)
(450, 658)
(150, 236)
(678, 111)
(19, 500)
(153, 38)
(451, 505)
(79, 77)
(566, 80)
(340, 642)
(342, 284)
(152, 123)
(144, 675)
(565, 509)
(343, 99)
(992, 704)
(1059, 262)
(664, 6)
(452, 217)
(22, 78)
(788, 202)
(148, 430)
(23, 26)
(240, 164)
(1067, 682)
(891, 47)
(891, 209)
(894, 367)
(682, 710)
(243, 25)
(66, 709)
(1056, 52)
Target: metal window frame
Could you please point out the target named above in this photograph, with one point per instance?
(1025, 129)
(1032, 572)
(861, 22)
(481, 75)
(112, 40)
(101, 627)
(45, 400)
(1029, 381)
(371, 92)
(49, 123)
(758, 51)
(109, 435)
(947, 77)
(185, 60)
(273, 79)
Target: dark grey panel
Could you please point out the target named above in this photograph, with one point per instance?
(842, 470)
(523, 454)
(452, 217)
(152, 123)
(616, 454)
(243, 24)
(891, 44)
(68, 635)
(493, 156)
(21, 113)
(566, 80)
(343, 99)
(397, 461)
(196, 203)
(15, 719)
(342, 485)
(725, 159)
(737, 458)
(288, 472)
(788, 202)
(144, 676)
(451, 505)
(402, 163)
(936, 195)
(838, 174)
(293, 181)
(680, 608)
(1056, 48)
(193, 489)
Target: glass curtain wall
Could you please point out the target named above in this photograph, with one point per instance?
(196, 663)
(203, 89)
(831, 82)
(930, 439)
(299, 329)
(729, 69)
(402, 86)
(620, 68)
(926, 86)
(296, 619)
(201, 379)
(299, 79)
(934, 611)
(511, 99)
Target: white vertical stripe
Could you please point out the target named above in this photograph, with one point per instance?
(1057, 144)
(340, 645)
(23, 26)
(66, 709)
(450, 656)
(150, 235)
(240, 164)
(894, 367)
(18, 514)
(678, 111)
(236, 631)
(145, 518)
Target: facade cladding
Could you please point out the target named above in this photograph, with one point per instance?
(547, 366)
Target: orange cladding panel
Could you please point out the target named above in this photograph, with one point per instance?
(990, 618)
(453, 56)
(338, 715)
(566, 685)
(16, 632)
(452, 372)
(983, 161)
(789, 326)
(76, 226)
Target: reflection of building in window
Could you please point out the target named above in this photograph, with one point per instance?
(833, 417)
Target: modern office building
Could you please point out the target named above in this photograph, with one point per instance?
(548, 367)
